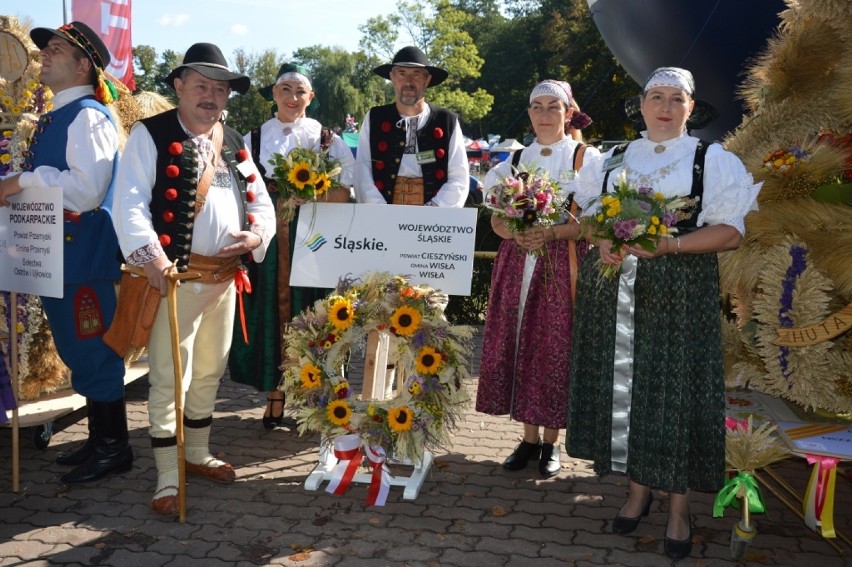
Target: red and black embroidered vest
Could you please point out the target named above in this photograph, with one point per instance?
(174, 192)
(387, 144)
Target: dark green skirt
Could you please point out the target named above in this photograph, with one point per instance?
(677, 414)
(258, 362)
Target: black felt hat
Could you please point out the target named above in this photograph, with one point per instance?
(207, 59)
(79, 34)
(411, 56)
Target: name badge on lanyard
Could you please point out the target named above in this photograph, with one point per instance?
(613, 162)
(427, 156)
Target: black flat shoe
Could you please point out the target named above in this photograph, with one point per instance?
(523, 453)
(622, 525)
(549, 463)
(272, 421)
(678, 549)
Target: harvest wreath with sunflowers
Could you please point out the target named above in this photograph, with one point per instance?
(431, 364)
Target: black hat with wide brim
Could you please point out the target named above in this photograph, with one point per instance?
(79, 34)
(702, 114)
(411, 56)
(207, 59)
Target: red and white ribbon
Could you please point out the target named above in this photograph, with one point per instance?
(347, 450)
(380, 482)
(350, 454)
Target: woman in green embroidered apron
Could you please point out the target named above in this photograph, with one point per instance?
(273, 302)
(647, 384)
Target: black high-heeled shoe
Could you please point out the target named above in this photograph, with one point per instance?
(622, 525)
(272, 421)
(678, 548)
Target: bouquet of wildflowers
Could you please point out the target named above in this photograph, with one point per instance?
(784, 159)
(636, 217)
(525, 199)
(304, 174)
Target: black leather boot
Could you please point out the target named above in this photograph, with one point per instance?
(85, 451)
(112, 452)
(523, 453)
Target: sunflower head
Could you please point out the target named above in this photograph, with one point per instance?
(341, 314)
(322, 183)
(310, 376)
(338, 412)
(300, 174)
(342, 389)
(406, 320)
(401, 418)
(428, 360)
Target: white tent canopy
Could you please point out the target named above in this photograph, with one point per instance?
(507, 145)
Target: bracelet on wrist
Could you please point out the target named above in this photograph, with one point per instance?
(677, 239)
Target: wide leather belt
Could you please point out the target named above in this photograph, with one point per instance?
(214, 270)
(408, 191)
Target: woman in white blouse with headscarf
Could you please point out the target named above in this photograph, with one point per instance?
(527, 337)
(647, 384)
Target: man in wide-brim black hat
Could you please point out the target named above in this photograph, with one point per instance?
(411, 152)
(207, 59)
(190, 196)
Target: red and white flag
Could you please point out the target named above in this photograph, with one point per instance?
(111, 19)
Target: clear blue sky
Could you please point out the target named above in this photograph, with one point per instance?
(253, 25)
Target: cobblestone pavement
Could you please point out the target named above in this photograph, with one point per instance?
(470, 511)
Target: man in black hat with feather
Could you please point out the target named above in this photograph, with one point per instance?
(74, 152)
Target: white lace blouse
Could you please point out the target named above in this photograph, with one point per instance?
(729, 190)
(281, 137)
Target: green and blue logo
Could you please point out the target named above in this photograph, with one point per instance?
(316, 242)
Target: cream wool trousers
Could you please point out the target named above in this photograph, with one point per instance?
(205, 321)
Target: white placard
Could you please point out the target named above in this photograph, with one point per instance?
(31, 245)
(428, 245)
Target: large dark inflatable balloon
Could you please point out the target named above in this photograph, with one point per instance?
(712, 38)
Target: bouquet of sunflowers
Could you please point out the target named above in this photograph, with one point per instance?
(303, 174)
(525, 199)
(630, 216)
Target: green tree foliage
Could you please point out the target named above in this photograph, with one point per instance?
(251, 109)
(151, 75)
(546, 39)
(339, 84)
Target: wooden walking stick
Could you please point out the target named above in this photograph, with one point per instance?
(174, 278)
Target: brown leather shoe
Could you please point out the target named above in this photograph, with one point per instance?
(165, 505)
(223, 473)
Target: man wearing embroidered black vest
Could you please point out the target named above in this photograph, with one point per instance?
(189, 197)
(411, 152)
(75, 151)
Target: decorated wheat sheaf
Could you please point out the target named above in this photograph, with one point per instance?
(795, 294)
(431, 362)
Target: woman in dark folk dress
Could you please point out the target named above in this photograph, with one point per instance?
(647, 384)
(527, 336)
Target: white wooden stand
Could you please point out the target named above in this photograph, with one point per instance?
(376, 387)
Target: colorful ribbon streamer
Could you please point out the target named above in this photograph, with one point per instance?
(735, 424)
(729, 492)
(818, 503)
(243, 283)
(350, 454)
